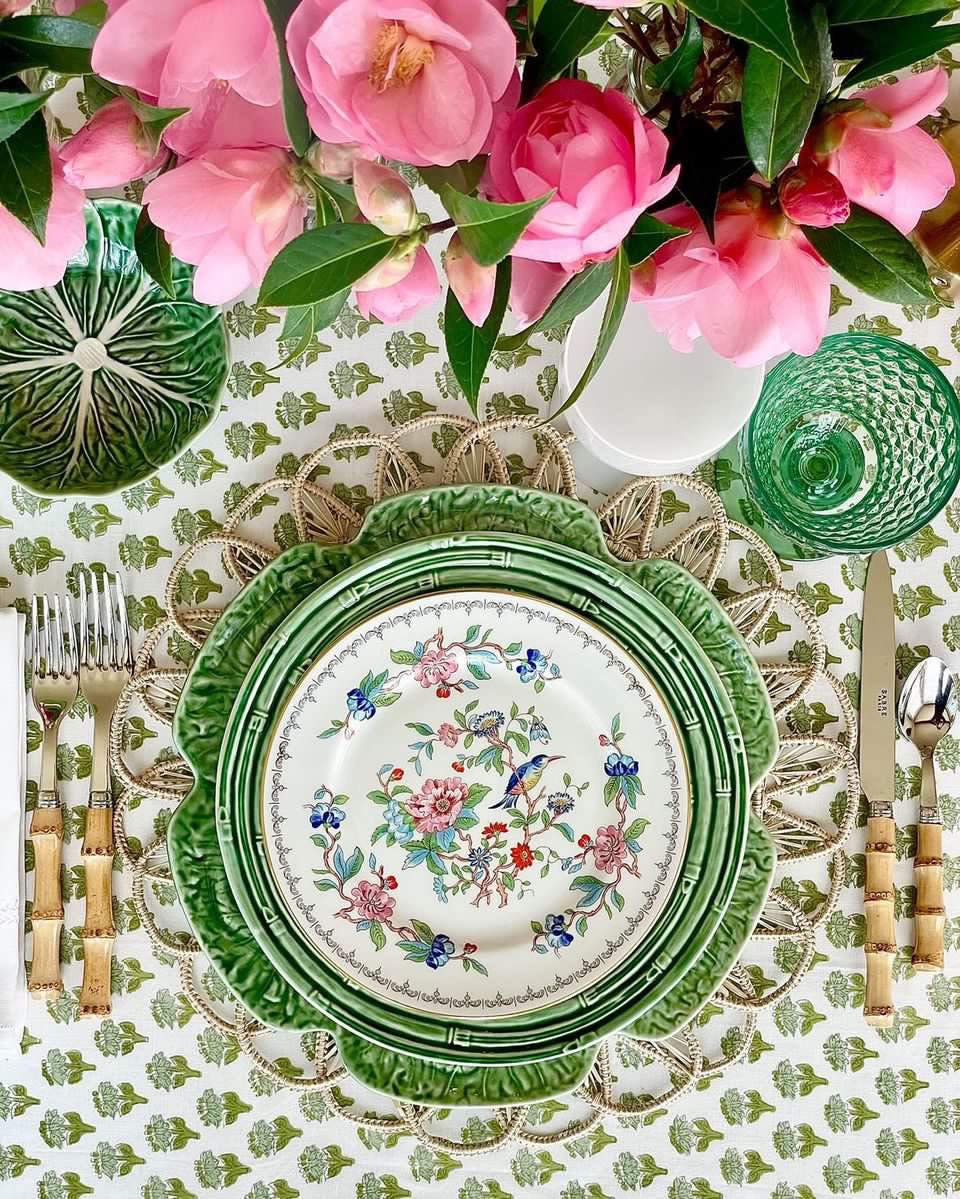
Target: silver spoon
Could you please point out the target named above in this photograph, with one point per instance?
(926, 711)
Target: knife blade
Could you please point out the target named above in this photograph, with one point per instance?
(878, 734)
(878, 728)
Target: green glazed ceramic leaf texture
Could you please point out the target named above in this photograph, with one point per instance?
(103, 378)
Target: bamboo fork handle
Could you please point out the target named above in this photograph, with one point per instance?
(98, 929)
(46, 829)
(881, 944)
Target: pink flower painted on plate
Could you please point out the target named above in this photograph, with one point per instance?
(884, 161)
(111, 149)
(418, 287)
(609, 849)
(435, 667)
(438, 804)
(24, 262)
(416, 79)
(603, 160)
(758, 290)
(449, 735)
(372, 902)
(216, 57)
(228, 212)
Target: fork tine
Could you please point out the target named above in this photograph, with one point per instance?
(97, 596)
(45, 652)
(108, 614)
(35, 619)
(125, 651)
(73, 663)
(84, 621)
(60, 665)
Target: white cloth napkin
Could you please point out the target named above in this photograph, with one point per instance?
(13, 773)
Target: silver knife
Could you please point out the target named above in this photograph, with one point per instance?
(878, 736)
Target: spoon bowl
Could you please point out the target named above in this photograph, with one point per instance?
(928, 705)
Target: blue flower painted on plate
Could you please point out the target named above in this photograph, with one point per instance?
(440, 951)
(398, 822)
(479, 859)
(538, 731)
(486, 724)
(537, 666)
(359, 705)
(620, 765)
(557, 935)
(560, 802)
(324, 814)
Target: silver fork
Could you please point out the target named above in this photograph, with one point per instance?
(55, 681)
(106, 665)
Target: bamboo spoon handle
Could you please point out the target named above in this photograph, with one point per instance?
(929, 912)
(881, 944)
(98, 929)
(46, 829)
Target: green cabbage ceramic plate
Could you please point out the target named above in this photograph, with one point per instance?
(104, 378)
(216, 679)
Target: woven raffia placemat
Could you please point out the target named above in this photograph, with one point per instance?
(807, 802)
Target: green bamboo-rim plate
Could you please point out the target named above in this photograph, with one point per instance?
(708, 731)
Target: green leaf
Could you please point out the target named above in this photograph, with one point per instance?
(153, 250)
(424, 931)
(488, 230)
(778, 106)
(462, 176)
(868, 252)
(322, 262)
(61, 43)
(469, 347)
(711, 161)
(16, 108)
(848, 12)
(294, 109)
(765, 23)
(575, 297)
(342, 195)
(303, 321)
(887, 46)
(613, 314)
(377, 935)
(26, 176)
(647, 236)
(154, 120)
(563, 30)
(675, 72)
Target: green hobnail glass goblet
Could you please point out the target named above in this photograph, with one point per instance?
(849, 450)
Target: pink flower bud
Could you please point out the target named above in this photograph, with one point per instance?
(9, 7)
(392, 270)
(810, 195)
(111, 149)
(336, 162)
(384, 198)
(470, 282)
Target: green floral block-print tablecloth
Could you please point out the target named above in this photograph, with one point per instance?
(155, 1103)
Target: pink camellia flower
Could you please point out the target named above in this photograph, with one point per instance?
(471, 283)
(533, 288)
(9, 7)
(416, 79)
(24, 262)
(757, 290)
(438, 804)
(372, 902)
(112, 148)
(216, 57)
(449, 734)
(434, 668)
(399, 302)
(810, 195)
(885, 163)
(609, 849)
(229, 212)
(603, 159)
(384, 198)
(337, 161)
(65, 8)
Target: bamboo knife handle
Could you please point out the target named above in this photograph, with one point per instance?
(881, 944)
(46, 829)
(98, 929)
(929, 912)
